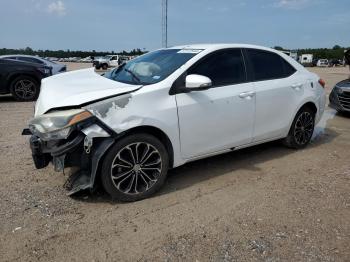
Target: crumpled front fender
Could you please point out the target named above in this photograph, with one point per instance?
(85, 179)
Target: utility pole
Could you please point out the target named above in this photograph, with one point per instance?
(165, 23)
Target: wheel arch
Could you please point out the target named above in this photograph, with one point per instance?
(310, 105)
(15, 75)
(158, 133)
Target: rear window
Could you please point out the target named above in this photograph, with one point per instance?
(267, 65)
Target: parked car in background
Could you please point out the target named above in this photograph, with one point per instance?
(107, 61)
(169, 107)
(22, 80)
(335, 62)
(56, 68)
(306, 59)
(86, 60)
(339, 98)
(322, 63)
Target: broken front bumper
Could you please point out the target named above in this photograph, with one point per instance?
(72, 153)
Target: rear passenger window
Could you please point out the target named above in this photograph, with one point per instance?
(288, 68)
(225, 67)
(267, 65)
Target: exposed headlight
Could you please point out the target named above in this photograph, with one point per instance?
(57, 125)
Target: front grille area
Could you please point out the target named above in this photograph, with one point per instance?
(344, 99)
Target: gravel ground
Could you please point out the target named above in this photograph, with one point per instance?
(265, 203)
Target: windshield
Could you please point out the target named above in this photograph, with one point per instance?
(153, 67)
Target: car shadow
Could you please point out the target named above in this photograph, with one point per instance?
(7, 99)
(195, 172)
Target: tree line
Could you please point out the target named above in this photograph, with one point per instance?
(67, 53)
(337, 52)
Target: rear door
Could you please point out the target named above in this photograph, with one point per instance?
(222, 116)
(278, 88)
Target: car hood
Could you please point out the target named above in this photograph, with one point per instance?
(76, 88)
(344, 84)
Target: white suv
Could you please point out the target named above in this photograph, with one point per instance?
(169, 107)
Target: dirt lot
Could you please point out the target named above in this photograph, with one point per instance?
(266, 203)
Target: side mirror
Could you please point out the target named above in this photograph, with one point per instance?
(197, 82)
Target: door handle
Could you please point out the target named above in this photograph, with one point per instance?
(247, 94)
(297, 86)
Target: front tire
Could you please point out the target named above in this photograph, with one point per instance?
(25, 88)
(302, 128)
(135, 167)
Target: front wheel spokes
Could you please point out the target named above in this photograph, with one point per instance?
(145, 152)
(146, 177)
(131, 182)
(148, 156)
(136, 168)
(158, 161)
(131, 154)
(118, 176)
(124, 179)
(129, 164)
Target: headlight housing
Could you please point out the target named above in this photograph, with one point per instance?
(57, 125)
(338, 90)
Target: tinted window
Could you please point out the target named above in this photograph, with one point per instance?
(267, 65)
(223, 67)
(30, 60)
(288, 68)
(11, 57)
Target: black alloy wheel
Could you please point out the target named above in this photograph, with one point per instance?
(135, 167)
(302, 128)
(25, 88)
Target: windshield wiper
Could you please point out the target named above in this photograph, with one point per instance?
(132, 74)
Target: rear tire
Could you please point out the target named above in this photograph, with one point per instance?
(135, 167)
(25, 88)
(104, 66)
(302, 128)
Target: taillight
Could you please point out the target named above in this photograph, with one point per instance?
(322, 82)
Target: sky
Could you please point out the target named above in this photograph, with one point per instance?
(116, 25)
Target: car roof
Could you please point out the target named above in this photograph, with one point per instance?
(213, 46)
(32, 56)
(16, 62)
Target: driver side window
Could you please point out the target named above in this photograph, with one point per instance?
(224, 67)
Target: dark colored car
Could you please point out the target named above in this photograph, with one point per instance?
(22, 80)
(334, 62)
(339, 98)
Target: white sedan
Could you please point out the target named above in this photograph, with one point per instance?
(169, 107)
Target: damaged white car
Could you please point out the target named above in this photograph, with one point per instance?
(169, 107)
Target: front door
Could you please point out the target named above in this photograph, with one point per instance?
(221, 117)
